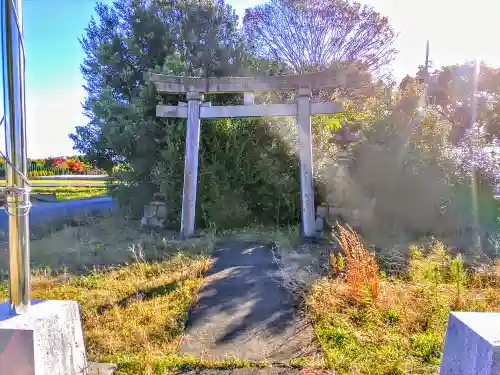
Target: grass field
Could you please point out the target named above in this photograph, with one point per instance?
(71, 192)
(134, 287)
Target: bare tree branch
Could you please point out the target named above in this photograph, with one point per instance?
(317, 34)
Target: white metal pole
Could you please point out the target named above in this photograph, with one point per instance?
(17, 187)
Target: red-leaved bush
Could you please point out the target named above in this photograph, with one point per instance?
(58, 162)
(76, 166)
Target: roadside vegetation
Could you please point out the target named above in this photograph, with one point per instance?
(53, 166)
(71, 192)
(64, 182)
(368, 323)
(134, 287)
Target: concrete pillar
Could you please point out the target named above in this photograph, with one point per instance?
(46, 340)
(472, 344)
(191, 164)
(306, 165)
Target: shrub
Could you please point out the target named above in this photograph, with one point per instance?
(246, 175)
(58, 162)
(363, 275)
(76, 166)
(427, 346)
(41, 173)
(38, 162)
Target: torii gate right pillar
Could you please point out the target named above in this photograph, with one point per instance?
(306, 162)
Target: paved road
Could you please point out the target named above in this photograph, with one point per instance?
(53, 211)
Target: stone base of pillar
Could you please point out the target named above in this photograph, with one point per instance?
(47, 340)
(155, 214)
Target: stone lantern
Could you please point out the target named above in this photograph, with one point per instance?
(343, 138)
(342, 181)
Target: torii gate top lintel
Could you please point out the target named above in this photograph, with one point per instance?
(212, 85)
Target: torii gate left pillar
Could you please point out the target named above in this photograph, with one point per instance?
(191, 163)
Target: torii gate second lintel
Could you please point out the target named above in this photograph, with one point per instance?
(194, 110)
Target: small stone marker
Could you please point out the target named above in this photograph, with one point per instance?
(155, 213)
(248, 98)
(321, 212)
(472, 344)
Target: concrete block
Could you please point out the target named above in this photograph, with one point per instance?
(101, 368)
(47, 340)
(472, 344)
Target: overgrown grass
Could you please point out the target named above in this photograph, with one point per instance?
(402, 330)
(132, 313)
(134, 288)
(72, 192)
(95, 242)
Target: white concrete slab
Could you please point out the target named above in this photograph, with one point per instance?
(472, 344)
(101, 368)
(47, 340)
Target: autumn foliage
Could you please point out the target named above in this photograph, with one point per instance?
(362, 271)
(76, 166)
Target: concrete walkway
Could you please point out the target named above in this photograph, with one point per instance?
(244, 312)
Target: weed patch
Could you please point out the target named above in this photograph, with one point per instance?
(134, 287)
(142, 328)
(401, 331)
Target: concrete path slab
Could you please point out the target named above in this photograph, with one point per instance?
(244, 312)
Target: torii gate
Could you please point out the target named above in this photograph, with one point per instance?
(195, 109)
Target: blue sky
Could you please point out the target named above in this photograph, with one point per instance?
(459, 30)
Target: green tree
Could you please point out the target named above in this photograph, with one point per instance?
(243, 166)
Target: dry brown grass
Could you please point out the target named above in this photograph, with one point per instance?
(102, 242)
(146, 327)
(362, 274)
(134, 287)
(403, 330)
